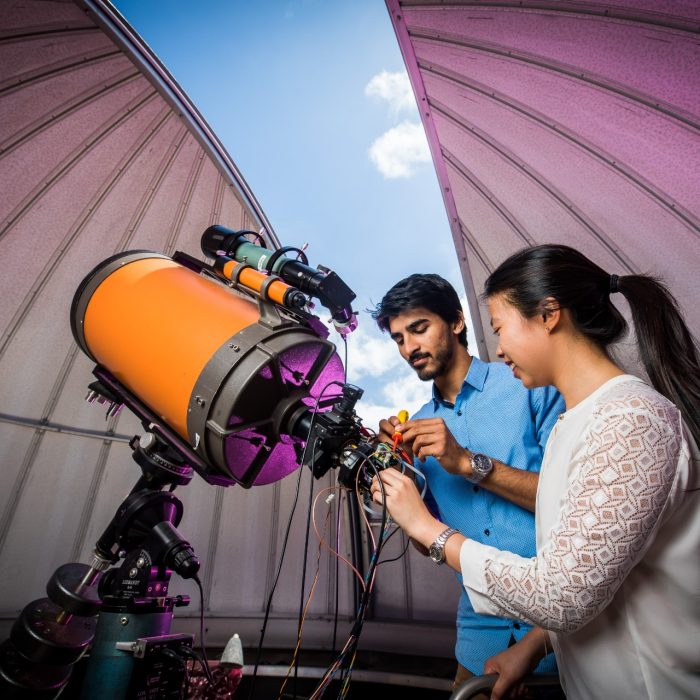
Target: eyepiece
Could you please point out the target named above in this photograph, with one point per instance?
(346, 405)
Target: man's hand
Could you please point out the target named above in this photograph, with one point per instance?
(430, 437)
(387, 428)
(513, 664)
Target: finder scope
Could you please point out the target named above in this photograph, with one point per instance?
(321, 283)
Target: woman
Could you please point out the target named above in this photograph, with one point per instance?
(615, 585)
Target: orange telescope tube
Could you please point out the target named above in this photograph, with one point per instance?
(155, 324)
(230, 380)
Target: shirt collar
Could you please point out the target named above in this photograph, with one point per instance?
(476, 377)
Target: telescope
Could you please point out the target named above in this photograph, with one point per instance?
(233, 377)
(223, 362)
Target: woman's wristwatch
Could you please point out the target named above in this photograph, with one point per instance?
(437, 548)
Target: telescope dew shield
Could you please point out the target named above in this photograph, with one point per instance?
(204, 360)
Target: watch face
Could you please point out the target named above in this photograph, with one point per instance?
(481, 464)
(437, 554)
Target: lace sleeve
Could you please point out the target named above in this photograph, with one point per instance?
(614, 499)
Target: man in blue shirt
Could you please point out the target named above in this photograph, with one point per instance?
(480, 441)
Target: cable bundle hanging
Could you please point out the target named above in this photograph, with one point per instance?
(345, 661)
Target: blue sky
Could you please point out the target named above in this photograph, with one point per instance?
(311, 100)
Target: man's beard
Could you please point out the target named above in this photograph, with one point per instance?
(442, 359)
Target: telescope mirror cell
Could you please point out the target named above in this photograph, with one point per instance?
(200, 357)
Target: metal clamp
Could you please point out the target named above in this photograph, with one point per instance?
(280, 252)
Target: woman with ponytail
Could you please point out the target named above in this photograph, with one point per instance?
(615, 586)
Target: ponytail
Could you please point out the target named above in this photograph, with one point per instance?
(667, 349)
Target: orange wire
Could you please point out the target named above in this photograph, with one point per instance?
(308, 603)
(323, 541)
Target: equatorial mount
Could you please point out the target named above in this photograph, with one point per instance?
(117, 600)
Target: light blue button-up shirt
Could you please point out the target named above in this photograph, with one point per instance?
(494, 414)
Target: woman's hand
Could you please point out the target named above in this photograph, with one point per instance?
(516, 662)
(405, 505)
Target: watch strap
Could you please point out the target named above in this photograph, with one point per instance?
(437, 548)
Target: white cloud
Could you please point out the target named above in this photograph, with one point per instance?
(394, 88)
(371, 354)
(405, 391)
(371, 413)
(397, 152)
(471, 334)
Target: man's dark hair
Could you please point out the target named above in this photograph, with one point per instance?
(430, 292)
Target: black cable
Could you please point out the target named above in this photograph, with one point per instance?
(303, 572)
(345, 363)
(184, 692)
(403, 553)
(268, 606)
(337, 563)
(284, 544)
(364, 603)
(202, 642)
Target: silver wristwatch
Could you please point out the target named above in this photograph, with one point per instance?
(481, 467)
(437, 548)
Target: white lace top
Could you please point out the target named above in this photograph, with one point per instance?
(617, 572)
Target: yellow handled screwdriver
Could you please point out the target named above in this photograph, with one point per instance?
(397, 437)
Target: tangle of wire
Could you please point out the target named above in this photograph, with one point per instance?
(338, 515)
(268, 606)
(302, 613)
(341, 664)
(302, 608)
(321, 542)
(344, 663)
(365, 582)
(346, 659)
(339, 557)
(384, 451)
(286, 539)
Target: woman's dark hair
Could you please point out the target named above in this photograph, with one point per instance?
(667, 349)
(430, 292)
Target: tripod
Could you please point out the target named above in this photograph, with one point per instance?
(118, 605)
